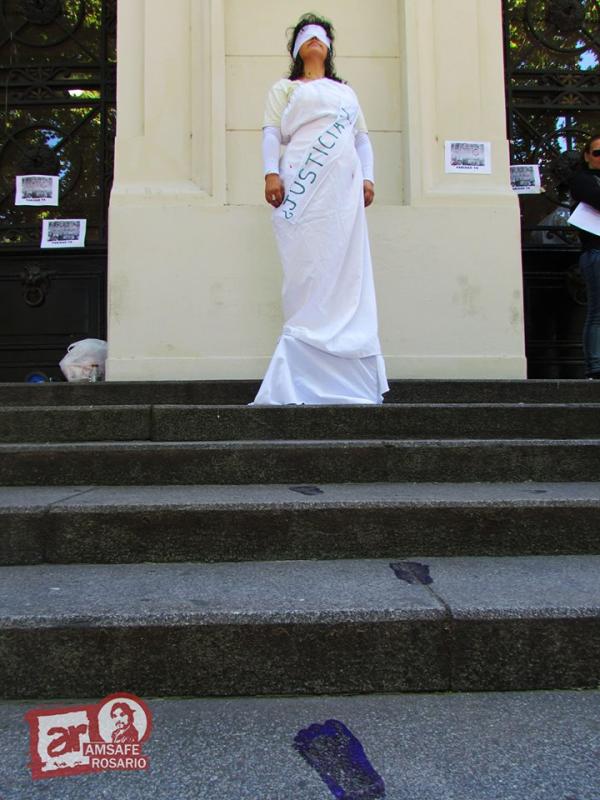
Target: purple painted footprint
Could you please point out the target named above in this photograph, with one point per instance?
(340, 760)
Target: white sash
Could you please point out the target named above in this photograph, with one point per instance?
(316, 163)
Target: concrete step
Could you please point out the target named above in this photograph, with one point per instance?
(241, 392)
(301, 627)
(364, 461)
(75, 423)
(234, 423)
(69, 525)
(478, 746)
(130, 393)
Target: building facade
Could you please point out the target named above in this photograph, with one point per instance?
(193, 273)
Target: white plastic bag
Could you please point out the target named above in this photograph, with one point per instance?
(85, 360)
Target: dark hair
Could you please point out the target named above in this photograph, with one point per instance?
(125, 708)
(590, 142)
(297, 67)
(587, 148)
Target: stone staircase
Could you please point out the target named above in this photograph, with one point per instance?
(166, 540)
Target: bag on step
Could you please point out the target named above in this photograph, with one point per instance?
(85, 360)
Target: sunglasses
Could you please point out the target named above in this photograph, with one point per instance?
(595, 153)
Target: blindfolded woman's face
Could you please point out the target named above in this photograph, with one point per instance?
(313, 48)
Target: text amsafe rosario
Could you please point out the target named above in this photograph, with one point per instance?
(108, 755)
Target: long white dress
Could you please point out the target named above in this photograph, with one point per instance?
(329, 351)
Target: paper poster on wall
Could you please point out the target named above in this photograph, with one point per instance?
(469, 157)
(525, 178)
(63, 232)
(36, 190)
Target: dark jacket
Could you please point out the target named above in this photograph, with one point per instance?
(585, 188)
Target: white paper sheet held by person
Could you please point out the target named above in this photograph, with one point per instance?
(587, 218)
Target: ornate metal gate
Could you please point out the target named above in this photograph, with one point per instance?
(553, 92)
(58, 79)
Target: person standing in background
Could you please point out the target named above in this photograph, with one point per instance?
(585, 188)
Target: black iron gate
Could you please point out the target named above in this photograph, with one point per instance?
(553, 93)
(58, 86)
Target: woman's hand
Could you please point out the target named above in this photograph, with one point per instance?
(369, 193)
(274, 190)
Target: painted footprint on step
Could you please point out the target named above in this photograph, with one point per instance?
(338, 757)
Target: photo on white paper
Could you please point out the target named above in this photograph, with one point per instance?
(63, 232)
(36, 190)
(525, 178)
(469, 157)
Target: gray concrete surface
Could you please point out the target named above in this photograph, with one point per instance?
(76, 423)
(236, 523)
(247, 628)
(71, 423)
(143, 463)
(235, 392)
(388, 421)
(353, 495)
(502, 746)
(301, 626)
(268, 592)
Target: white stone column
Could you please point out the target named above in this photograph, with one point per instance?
(169, 175)
(458, 249)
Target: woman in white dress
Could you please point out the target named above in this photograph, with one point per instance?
(329, 351)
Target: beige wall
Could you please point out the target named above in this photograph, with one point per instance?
(368, 57)
(194, 278)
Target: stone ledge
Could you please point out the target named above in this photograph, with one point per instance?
(189, 423)
(233, 392)
(300, 627)
(144, 463)
(268, 522)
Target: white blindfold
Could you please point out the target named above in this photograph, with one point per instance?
(310, 32)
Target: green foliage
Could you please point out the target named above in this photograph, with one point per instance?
(537, 42)
(53, 76)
